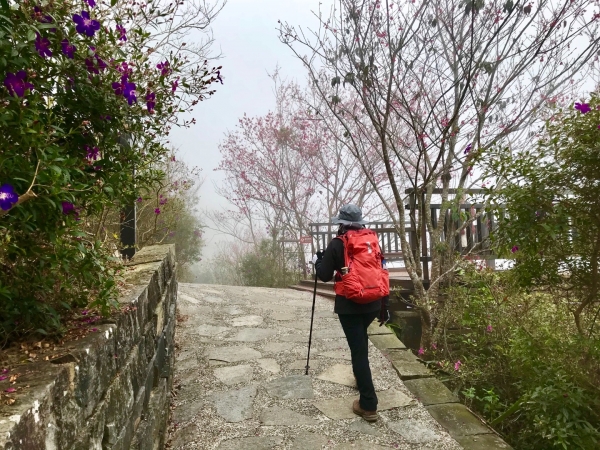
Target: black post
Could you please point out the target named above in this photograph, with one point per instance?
(128, 232)
(128, 214)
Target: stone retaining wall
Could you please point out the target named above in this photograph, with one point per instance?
(111, 390)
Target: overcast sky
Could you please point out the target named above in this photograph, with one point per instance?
(245, 33)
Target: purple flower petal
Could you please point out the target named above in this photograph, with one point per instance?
(8, 197)
(515, 249)
(16, 83)
(68, 207)
(42, 45)
(68, 49)
(583, 108)
(122, 32)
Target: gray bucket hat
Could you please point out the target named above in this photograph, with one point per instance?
(348, 215)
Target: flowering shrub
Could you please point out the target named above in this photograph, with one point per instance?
(88, 95)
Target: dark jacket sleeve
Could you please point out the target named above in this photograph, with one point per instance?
(333, 259)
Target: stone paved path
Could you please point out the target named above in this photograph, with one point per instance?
(241, 385)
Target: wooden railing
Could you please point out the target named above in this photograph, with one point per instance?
(473, 239)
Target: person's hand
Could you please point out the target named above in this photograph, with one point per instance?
(384, 316)
(316, 257)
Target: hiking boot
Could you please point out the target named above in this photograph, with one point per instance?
(369, 416)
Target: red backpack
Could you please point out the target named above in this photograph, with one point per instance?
(366, 280)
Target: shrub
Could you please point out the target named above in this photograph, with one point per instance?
(87, 99)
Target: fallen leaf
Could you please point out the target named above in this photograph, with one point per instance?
(10, 401)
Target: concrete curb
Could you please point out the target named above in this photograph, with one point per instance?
(464, 426)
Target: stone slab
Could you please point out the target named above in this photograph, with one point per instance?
(340, 374)
(276, 347)
(413, 431)
(187, 411)
(341, 408)
(360, 445)
(253, 334)
(328, 314)
(329, 333)
(333, 344)
(309, 441)
(235, 405)
(385, 341)
(302, 325)
(364, 427)
(294, 338)
(375, 329)
(277, 315)
(300, 364)
(233, 354)
(430, 391)
(457, 419)
(210, 330)
(247, 321)
(407, 366)
(293, 386)
(269, 364)
(337, 354)
(482, 441)
(233, 374)
(251, 443)
(233, 310)
(276, 416)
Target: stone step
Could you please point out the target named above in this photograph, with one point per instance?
(320, 285)
(321, 292)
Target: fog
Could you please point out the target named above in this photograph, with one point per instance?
(245, 34)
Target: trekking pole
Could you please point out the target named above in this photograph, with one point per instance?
(312, 316)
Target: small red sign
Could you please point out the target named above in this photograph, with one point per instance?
(306, 239)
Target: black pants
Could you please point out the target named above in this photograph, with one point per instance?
(355, 329)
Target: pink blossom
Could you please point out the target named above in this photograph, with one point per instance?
(457, 365)
(434, 346)
(515, 249)
(489, 329)
(421, 351)
(157, 211)
(3, 377)
(10, 390)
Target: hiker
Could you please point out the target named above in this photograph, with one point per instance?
(362, 294)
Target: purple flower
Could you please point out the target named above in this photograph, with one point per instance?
(157, 211)
(85, 25)
(40, 17)
(101, 64)
(129, 93)
(219, 76)
(42, 45)
(92, 3)
(122, 32)
(68, 207)
(92, 153)
(16, 84)
(164, 68)
(105, 117)
(118, 88)
(489, 329)
(174, 85)
(421, 351)
(68, 49)
(457, 365)
(3, 377)
(139, 200)
(434, 346)
(162, 201)
(515, 249)
(583, 108)
(150, 101)
(468, 149)
(91, 67)
(8, 197)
